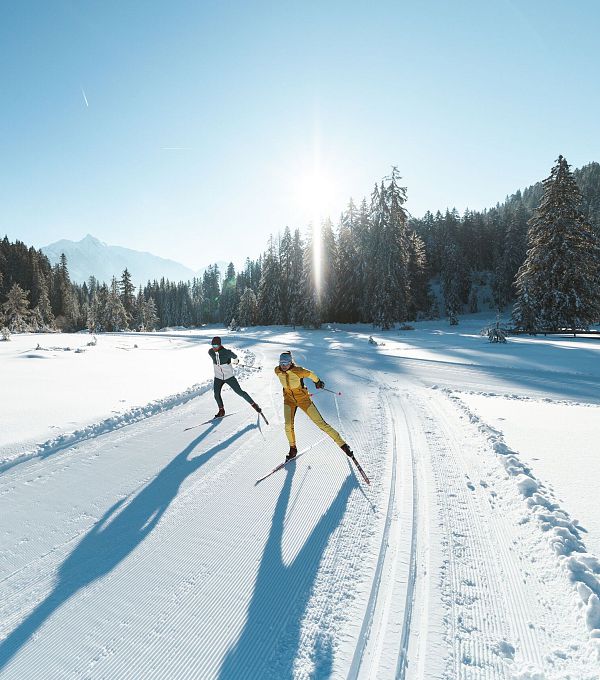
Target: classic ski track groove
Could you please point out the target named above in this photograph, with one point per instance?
(402, 662)
(466, 564)
(365, 630)
(166, 615)
(499, 581)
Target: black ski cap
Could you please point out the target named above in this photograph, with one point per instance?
(216, 340)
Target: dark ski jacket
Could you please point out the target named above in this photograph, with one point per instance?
(222, 362)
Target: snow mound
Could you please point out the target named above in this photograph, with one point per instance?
(562, 532)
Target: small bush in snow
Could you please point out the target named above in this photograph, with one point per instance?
(5, 333)
(496, 335)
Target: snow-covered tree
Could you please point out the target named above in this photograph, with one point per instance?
(269, 289)
(229, 300)
(310, 313)
(127, 295)
(295, 302)
(115, 316)
(16, 310)
(390, 234)
(559, 283)
(248, 308)
(348, 278)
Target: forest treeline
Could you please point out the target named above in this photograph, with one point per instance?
(376, 266)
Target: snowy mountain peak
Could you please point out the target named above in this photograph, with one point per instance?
(92, 257)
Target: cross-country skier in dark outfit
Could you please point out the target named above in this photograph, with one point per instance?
(295, 396)
(222, 359)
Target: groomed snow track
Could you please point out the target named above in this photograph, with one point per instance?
(392, 594)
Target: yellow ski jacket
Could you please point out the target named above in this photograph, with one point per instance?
(292, 380)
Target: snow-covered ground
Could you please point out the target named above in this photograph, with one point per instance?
(134, 547)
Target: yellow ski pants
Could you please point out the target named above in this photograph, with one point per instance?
(289, 411)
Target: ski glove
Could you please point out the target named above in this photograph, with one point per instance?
(319, 384)
(235, 361)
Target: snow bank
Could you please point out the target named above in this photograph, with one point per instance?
(563, 534)
(63, 389)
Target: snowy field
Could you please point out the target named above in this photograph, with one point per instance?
(134, 547)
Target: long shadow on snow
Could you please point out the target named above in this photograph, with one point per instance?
(113, 538)
(268, 644)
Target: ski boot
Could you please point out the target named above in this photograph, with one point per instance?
(291, 454)
(256, 407)
(347, 450)
(220, 414)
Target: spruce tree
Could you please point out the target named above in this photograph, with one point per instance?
(228, 302)
(269, 289)
(348, 268)
(390, 240)
(127, 291)
(115, 316)
(559, 282)
(16, 310)
(248, 308)
(285, 273)
(295, 303)
(310, 313)
(328, 274)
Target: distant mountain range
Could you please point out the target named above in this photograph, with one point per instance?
(92, 257)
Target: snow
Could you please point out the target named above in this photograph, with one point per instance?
(66, 386)
(135, 542)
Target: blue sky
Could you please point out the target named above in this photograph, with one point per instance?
(209, 125)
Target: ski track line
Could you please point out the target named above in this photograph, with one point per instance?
(60, 447)
(169, 522)
(481, 590)
(365, 631)
(477, 613)
(144, 553)
(402, 663)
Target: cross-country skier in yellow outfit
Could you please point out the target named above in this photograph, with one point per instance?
(295, 396)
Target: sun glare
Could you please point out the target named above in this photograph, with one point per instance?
(315, 191)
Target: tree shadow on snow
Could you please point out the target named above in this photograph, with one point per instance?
(268, 644)
(113, 538)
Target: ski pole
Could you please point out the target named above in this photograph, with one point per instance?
(313, 394)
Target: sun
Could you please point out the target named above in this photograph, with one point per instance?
(315, 190)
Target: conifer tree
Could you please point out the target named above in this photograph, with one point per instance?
(328, 274)
(559, 282)
(420, 296)
(348, 268)
(16, 310)
(390, 232)
(450, 277)
(248, 308)
(295, 303)
(286, 268)
(115, 316)
(310, 313)
(228, 302)
(269, 290)
(127, 296)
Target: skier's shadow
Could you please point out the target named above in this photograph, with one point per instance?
(115, 536)
(268, 644)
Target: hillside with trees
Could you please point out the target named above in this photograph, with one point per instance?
(376, 266)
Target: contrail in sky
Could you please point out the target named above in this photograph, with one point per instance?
(85, 98)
